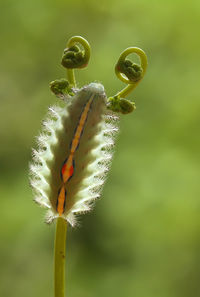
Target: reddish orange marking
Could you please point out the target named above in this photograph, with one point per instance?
(64, 168)
(71, 171)
(67, 169)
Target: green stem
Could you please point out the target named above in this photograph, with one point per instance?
(127, 90)
(59, 257)
(71, 77)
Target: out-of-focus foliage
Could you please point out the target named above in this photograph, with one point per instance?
(143, 239)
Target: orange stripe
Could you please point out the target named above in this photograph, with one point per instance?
(61, 200)
(79, 129)
(68, 169)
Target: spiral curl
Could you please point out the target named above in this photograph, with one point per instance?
(73, 56)
(131, 74)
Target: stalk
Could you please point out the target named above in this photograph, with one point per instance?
(59, 257)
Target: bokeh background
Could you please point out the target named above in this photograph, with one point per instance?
(143, 238)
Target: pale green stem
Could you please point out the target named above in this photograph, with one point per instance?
(59, 257)
(127, 90)
(71, 77)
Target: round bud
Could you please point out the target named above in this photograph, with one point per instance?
(126, 106)
(74, 57)
(132, 71)
(61, 87)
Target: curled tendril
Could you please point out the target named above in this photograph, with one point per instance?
(76, 55)
(131, 74)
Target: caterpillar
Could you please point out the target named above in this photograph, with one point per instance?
(75, 146)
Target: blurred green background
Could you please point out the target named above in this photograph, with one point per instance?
(143, 238)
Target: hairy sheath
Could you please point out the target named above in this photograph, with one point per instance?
(71, 164)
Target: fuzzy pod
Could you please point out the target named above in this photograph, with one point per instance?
(74, 154)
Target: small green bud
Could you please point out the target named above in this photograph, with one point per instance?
(74, 57)
(126, 106)
(133, 71)
(73, 48)
(121, 105)
(113, 104)
(61, 87)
